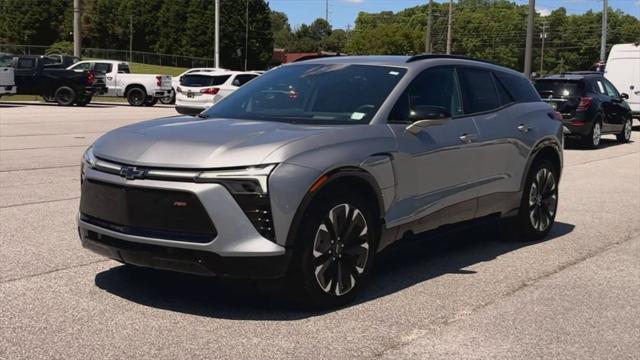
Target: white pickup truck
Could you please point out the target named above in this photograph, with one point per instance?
(7, 77)
(139, 89)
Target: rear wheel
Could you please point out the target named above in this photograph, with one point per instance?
(592, 141)
(337, 245)
(539, 203)
(136, 96)
(65, 96)
(625, 134)
(150, 101)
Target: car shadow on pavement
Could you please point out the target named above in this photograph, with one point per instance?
(573, 144)
(403, 265)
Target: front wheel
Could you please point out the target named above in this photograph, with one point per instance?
(625, 134)
(83, 101)
(49, 98)
(338, 240)
(168, 100)
(539, 203)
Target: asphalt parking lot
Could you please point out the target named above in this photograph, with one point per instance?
(467, 295)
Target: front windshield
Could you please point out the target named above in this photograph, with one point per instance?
(312, 93)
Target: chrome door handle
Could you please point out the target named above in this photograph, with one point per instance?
(109, 77)
(467, 138)
(523, 128)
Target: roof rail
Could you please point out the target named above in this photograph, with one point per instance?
(316, 56)
(444, 56)
(584, 72)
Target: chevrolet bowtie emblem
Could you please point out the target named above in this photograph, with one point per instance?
(132, 172)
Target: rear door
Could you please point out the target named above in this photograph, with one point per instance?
(27, 81)
(501, 131)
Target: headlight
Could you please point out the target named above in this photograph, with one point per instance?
(88, 157)
(250, 180)
(88, 160)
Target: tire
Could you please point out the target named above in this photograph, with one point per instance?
(537, 212)
(625, 134)
(150, 101)
(136, 96)
(168, 100)
(322, 253)
(49, 98)
(65, 96)
(592, 141)
(83, 101)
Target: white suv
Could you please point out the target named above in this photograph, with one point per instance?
(200, 90)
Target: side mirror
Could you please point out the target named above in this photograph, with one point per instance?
(423, 117)
(624, 96)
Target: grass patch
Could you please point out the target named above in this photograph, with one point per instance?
(137, 68)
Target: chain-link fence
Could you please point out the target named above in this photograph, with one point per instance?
(142, 57)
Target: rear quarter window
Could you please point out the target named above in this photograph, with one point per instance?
(519, 87)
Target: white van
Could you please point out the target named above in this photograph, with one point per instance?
(623, 70)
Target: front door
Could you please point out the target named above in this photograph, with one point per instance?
(436, 168)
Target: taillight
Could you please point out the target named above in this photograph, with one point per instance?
(210, 91)
(159, 80)
(585, 103)
(91, 77)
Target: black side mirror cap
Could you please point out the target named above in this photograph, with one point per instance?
(428, 112)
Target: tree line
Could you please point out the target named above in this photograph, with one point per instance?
(489, 29)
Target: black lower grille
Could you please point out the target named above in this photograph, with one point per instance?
(257, 208)
(163, 214)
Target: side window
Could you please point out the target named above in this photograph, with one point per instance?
(433, 87)
(243, 79)
(611, 90)
(478, 92)
(104, 67)
(82, 66)
(520, 88)
(123, 68)
(600, 87)
(26, 63)
(504, 96)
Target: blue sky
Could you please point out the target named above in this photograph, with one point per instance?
(344, 12)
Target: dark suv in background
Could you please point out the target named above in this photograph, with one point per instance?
(590, 106)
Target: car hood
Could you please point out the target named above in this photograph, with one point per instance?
(190, 142)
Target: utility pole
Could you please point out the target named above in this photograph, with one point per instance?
(427, 43)
(326, 11)
(246, 36)
(130, 38)
(528, 52)
(543, 36)
(216, 58)
(603, 41)
(449, 25)
(77, 36)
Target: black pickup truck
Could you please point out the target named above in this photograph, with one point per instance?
(42, 75)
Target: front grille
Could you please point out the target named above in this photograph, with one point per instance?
(163, 214)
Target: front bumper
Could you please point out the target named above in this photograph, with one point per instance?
(185, 260)
(235, 239)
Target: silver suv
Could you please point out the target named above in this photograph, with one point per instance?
(311, 169)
